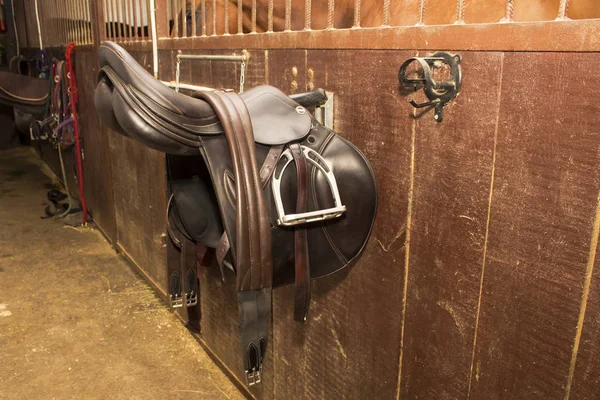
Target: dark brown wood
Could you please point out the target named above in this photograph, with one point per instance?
(453, 171)
(95, 137)
(582, 35)
(350, 345)
(585, 382)
(542, 212)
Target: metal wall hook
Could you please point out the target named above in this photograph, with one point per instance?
(439, 93)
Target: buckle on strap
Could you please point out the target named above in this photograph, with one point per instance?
(318, 162)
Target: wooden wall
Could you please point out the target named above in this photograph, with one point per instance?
(478, 281)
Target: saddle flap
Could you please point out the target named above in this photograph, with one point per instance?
(23, 92)
(196, 212)
(276, 119)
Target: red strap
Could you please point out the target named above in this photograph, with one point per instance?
(74, 100)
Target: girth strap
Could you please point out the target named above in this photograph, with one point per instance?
(252, 253)
(302, 284)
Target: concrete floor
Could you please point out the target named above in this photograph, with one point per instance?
(75, 321)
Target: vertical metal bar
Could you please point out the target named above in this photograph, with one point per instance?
(386, 13)
(126, 21)
(356, 14)
(330, 12)
(148, 19)
(174, 7)
(226, 5)
(152, 24)
(133, 24)
(108, 12)
(214, 27)
(253, 16)
(288, 15)
(88, 22)
(510, 12)
(203, 20)
(460, 12)
(106, 19)
(183, 19)
(240, 29)
(69, 10)
(122, 20)
(563, 10)
(80, 21)
(193, 16)
(270, 17)
(115, 7)
(307, 14)
(422, 4)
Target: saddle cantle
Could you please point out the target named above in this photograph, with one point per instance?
(290, 199)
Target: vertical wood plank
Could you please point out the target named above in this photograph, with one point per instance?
(350, 345)
(543, 208)
(453, 171)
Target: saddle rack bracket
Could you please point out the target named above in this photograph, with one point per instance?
(439, 92)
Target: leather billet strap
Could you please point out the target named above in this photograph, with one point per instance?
(252, 252)
(254, 315)
(302, 270)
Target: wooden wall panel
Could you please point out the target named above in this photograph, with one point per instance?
(586, 366)
(219, 324)
(350, 345)
(97, 166)
(140, 196)
(453, 171)
(543, 207)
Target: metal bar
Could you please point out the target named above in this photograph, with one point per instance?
(130, 18)
(70, 31)
(307, 14)
(136, 8)
(460, 12)
(73, 20)
(203, 20)
(184, 18)
(152, 25)
(126, 22)
(122, 20)
(226, 5)
(211, 57)
(174, 6)
(193, 15)
(356, 14)
(510, 12)
(80, 20)
(288, 15)
(386, 13)
(89, 22)
(422, 4)
(253, 16)
(148, 11)
(270, 17)
(214, 30)
(330, 14)
(115, 14)
(563, 10)
(240, 29)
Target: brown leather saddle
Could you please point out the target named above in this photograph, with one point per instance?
(288, 199)
(25, 93)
